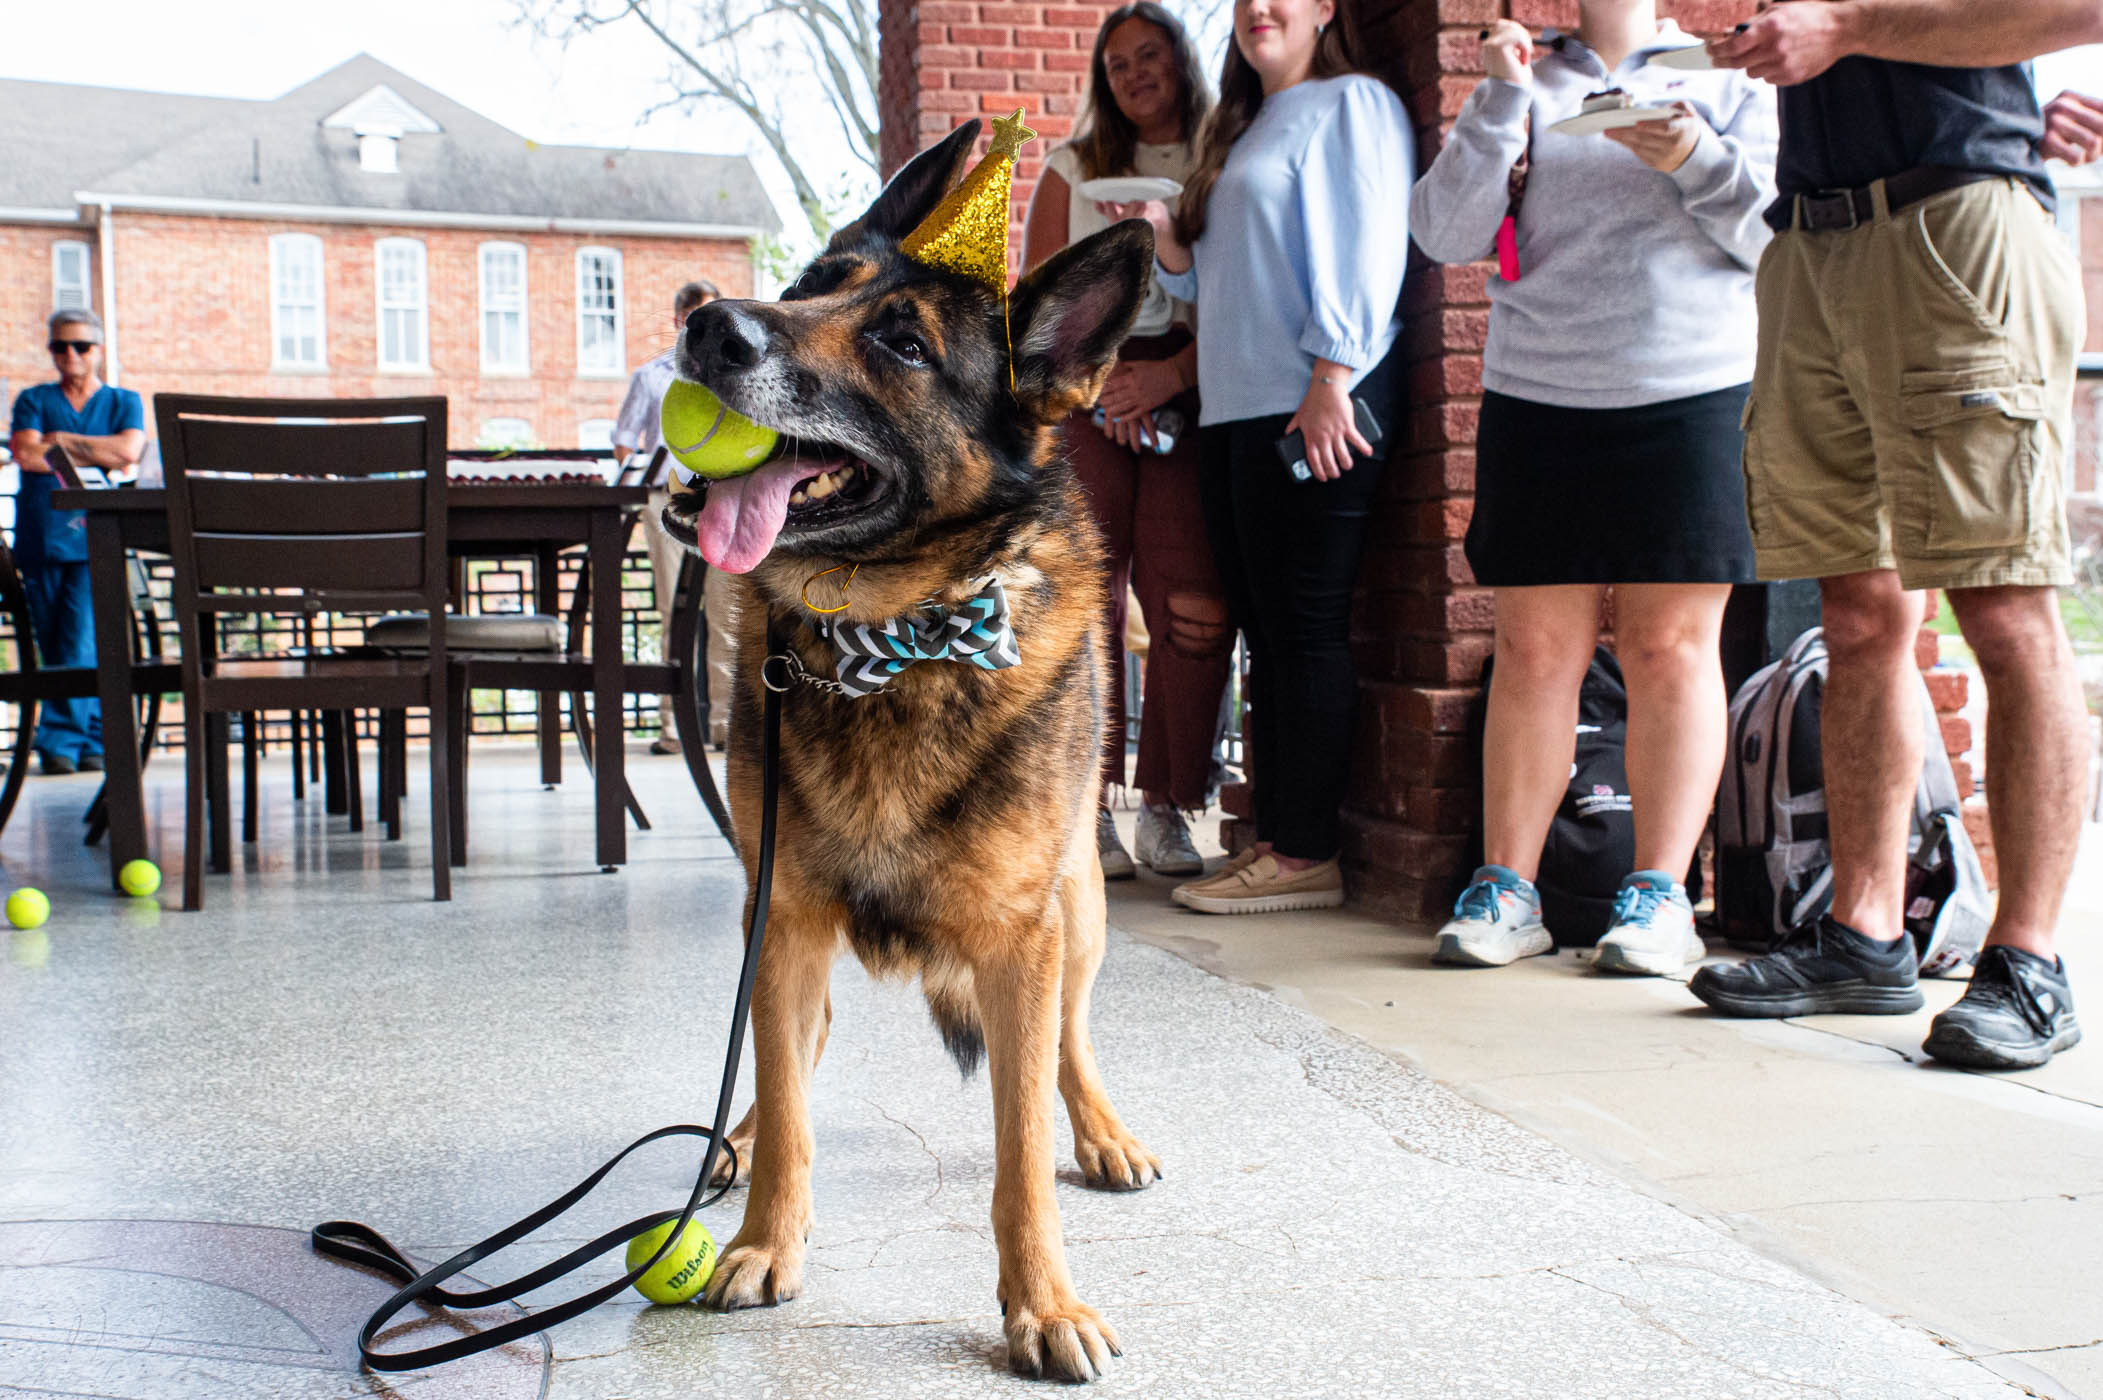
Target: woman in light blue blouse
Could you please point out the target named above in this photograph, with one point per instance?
(1291, 236)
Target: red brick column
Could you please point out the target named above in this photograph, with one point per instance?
(942, 62)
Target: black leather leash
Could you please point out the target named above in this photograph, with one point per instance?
(361, 1244)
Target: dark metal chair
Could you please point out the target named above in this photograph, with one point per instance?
(293, 507)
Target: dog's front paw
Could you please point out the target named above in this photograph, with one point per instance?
(1116, 1161)
(756, 1275)
(1066, 1341)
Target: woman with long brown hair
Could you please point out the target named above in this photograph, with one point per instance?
(1291, 236)
(1138, 457)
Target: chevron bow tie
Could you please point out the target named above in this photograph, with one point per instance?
(975, 632)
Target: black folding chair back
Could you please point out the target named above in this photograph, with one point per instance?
(302, 506)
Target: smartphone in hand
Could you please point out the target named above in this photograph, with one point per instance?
(1292, 448)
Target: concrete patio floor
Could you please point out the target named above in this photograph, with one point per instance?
(182, 1095)
(1968, 1204)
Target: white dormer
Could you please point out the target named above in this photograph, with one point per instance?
(379, 118)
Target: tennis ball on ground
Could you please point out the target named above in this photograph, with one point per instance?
(139, 877)
(705, 436)
(27, 908)
(685, 1269)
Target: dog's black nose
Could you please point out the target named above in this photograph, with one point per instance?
(722, 336)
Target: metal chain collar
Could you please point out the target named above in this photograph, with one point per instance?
(795, 672)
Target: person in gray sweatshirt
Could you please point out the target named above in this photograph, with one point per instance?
(1621, 342)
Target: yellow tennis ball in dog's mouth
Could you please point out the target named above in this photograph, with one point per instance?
(685, 1269)
(139, 878)
(706, 437)
(27, 908)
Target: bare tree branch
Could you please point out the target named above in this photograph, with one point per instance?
(825, 51)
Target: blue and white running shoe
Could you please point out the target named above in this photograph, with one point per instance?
(1653, 933)
(1496, 920)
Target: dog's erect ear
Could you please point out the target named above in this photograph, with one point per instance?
(914, 191)
(1069, 316)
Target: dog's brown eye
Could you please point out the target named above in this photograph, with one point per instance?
(908, 348)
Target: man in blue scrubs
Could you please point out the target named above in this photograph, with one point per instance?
(94, 424)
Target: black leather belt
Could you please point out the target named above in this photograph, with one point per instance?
(1831, 211)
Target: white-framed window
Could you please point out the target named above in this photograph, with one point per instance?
(70, 288)
(298, 310)
(403, 315)
(601, 352)
(595, 435)
(503, 277)
(505, 432)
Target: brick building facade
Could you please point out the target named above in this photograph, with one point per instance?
(195, 316)
(244, 245)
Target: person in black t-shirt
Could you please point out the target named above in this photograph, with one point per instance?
(1910, 416)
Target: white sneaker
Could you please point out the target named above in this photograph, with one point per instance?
(1163, 844)
(1653, 933)
(1496, 920)
(1117, 862)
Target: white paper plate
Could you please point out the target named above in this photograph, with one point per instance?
(1129, 189)
(1694, 58)
(1591, 123)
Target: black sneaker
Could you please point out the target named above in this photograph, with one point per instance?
(90, 763)
(55, 764)
(2016, 1014)
(1822, 967)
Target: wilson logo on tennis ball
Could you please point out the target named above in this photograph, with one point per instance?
(706, 438)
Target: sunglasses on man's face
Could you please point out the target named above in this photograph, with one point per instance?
(78, 347)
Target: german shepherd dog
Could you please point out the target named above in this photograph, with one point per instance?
(943, 825)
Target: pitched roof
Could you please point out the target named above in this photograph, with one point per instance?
(57, 134)
(285, 152)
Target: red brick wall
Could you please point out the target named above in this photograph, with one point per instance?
(193, 314)
(25, 299)
(945, 61)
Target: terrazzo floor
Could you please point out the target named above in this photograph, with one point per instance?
(181, 1096)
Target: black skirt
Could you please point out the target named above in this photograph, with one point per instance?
(1652, 494)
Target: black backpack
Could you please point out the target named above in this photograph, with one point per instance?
(1592, 841)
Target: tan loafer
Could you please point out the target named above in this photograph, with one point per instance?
(1262, 886)
(1234, 863)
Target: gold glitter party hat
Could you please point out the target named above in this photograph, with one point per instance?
(968, 231)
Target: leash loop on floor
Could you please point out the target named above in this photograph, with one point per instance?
(362, 1245)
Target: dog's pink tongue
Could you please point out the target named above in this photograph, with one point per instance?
(742, 514)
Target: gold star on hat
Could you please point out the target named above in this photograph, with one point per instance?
(968, 231)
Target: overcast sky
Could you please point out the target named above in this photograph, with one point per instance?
(588, 94)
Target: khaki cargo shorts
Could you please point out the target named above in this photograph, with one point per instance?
(1913, 404)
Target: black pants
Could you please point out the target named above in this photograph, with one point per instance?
(1288, 557)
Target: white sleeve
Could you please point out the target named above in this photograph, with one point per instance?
(635, 421)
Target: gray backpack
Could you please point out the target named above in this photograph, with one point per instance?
(1773, 860)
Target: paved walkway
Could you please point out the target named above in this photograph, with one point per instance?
(184, 1094)
(1967, 1204)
